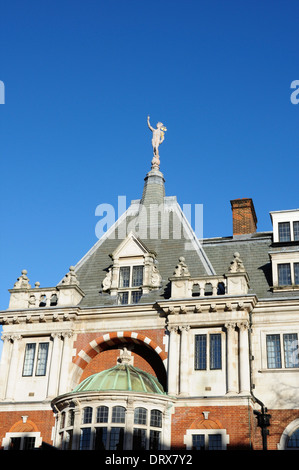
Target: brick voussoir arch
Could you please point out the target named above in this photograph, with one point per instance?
(112, 339)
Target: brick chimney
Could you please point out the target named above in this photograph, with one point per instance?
(244, 216)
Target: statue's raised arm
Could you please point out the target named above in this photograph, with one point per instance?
(148, 123)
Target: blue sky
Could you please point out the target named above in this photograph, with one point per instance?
(80, 78)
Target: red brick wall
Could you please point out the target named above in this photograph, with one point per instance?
(44, 421)
(239, 422)
(234, 419)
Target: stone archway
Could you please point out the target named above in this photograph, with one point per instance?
(114, 340)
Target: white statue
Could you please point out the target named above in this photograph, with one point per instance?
(236, 266)
(23, 281)
(181, 268)
(106, 284)
(157, 139)
(71, 277)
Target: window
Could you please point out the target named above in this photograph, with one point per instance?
(116, 439)
(139, 439)
(296, 230)
(71, 418)
(206, 442)
(102, 414)
(284, 274)
(288, 274)
(206, 439)
(201, 351)
(118, 414)
(284, 231)
(85, 439)
(274, 354)
(101, 438)
(30, 358)
(105, 428)
(156, 418)
(124, 277)
(198, 442)
(87, 415)
(42, 357)
(130, 277)
(21, 441)
(293, 441)
(155, 440)
(140, 416)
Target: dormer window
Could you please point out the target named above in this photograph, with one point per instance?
(130, 277)
(284, 231)
(288, 231)
(285, 226)
(134, 272)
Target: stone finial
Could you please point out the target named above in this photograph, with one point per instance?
(236, 266)
(22, 281)
(70, 278)
(181, 269)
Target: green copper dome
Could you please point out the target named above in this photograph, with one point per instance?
(122, 377)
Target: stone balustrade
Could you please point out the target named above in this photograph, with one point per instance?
(61, 295)
(228, 284)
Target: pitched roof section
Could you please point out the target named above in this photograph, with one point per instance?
(161, 226)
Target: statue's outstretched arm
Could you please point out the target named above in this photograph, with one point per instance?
(148, 123)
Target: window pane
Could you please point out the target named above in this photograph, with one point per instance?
(140, 415)
(284, 274)
(102, 414)
(198, 442)
(71, 418)
(124, 277)
(296, 273)
(42, 356)
(116, 439)
(200, 352)
(136, 295)
(15, 443)
(293, 441)
(118, 414)
(290, 342)
(215, 351)
(123, 298)
(87, 415)
(296, 230)
(137, 277)
(156, 418)
(139, 439)
(215, 442)
(273, 352)
(28, 443)
(62, 420)
(284, 231)
(29, 359)
(100, 439)
(68, 440)
(85, 439)
(154, 443)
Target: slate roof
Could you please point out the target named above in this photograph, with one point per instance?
(212, 256)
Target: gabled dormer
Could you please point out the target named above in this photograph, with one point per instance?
(134, 271)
